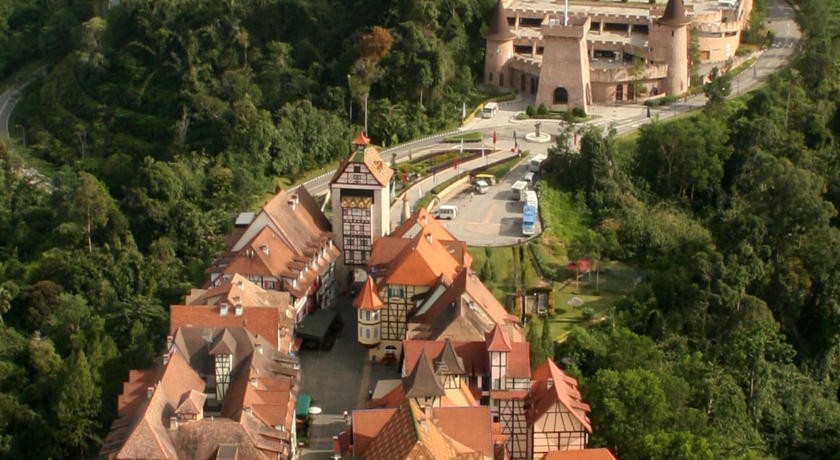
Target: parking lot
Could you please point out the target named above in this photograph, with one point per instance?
(491, 219)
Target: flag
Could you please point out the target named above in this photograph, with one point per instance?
(455, 164)
(403, 176)
(494, 138)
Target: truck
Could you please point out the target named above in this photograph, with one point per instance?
(529, 216)
(536, 162)
(517, 191)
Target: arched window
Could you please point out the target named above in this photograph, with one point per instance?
(561, 96)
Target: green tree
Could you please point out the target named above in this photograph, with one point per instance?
(77, 405)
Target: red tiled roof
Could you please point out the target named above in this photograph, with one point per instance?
(474, 354)
(497, 340)
(421, 263)
(519, 360)
(407, 434)
(368, 299)
(471, 426)
(366, 425)
(562, 390)
(237, 290)
(585, 454)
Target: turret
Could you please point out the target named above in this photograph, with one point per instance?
(668, 41)
(368, 304)
(499, 49)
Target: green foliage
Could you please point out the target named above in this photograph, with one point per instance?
(542, 110)
(531, 111)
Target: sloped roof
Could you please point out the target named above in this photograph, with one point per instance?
(238, 290)
(368, 299)
(192, 403)
(260, 314)
(422, 381)
(303, 225)
(422, 220)
(674, 14)
(421, 263)
(367, 424)
(550, 386)
(448, 362)
(471, 426)
(224, 344)
(407, 434)
(473, 354)
(365, 153)
(584, 454)
(499, 28)
(498, 341)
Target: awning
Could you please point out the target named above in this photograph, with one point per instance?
(303, 402)
(316, 325)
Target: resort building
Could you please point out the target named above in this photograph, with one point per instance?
(361, 201)
(581, 52)
(287, 246)
(216, 393)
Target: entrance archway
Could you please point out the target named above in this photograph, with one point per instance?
(561, 96)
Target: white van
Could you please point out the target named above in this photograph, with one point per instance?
(481, 187)
(517, 191)
(489, 110)
(531, 198)
(447, 211)
(529, 178)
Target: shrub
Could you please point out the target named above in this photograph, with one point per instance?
(579, 112)
(542, 109)
(530, 110)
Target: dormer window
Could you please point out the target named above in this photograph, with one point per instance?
(264, 249)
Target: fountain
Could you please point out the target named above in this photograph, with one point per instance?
(537, 136)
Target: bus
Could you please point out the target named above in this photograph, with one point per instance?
(536, 162)
(529, 216)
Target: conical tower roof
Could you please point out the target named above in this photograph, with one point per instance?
(449, 362)
(674, 14)
(499, 28)
(361, 140)
(368, 299)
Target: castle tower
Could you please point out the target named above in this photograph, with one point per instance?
(361, 201)
(668, 41)
(499, 49)
(564, 73)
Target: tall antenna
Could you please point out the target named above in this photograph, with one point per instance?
(566, 14)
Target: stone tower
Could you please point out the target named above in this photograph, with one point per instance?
(499, 49)
(668, 40)
(564, 74)
(361, 201)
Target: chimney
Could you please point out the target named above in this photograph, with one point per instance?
(259, 348)
(549, 383)
(169, 341)
(429, 237)
(238, 310)
(249, 410)
(249, 253)
(264, 249)
(149, 392)
(173, 423)
(223, 309)
(253, 381)
(423, 220)
(427, 410)
(293, 201)
(165, 359)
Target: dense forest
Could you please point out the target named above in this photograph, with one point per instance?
(729, 347)
(157, 120)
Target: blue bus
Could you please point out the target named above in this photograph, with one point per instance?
(529, 215)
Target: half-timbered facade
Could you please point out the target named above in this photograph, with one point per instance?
(361, 201)
(557, 417)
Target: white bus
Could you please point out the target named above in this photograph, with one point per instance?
(489, 110)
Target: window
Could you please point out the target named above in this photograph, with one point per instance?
(367, 333)
(490, 77)
(376, 333)
(501, 79)
(561, 96)
(395, 291)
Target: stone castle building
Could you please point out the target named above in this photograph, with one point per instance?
(582, 52)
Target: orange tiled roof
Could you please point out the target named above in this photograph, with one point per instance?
(238, 290)
(585, 454)
(368, 299)
(471, 426)
(361, 139)
(497, 340)
(562, 390)
(422, 220)
(366, 425)
(473, 354)
(421, 263)
(408, 434)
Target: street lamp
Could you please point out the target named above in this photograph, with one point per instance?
(22, 128)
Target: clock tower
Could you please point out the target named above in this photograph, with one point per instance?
(361, 201)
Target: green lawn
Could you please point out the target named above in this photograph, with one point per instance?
(469, 136)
